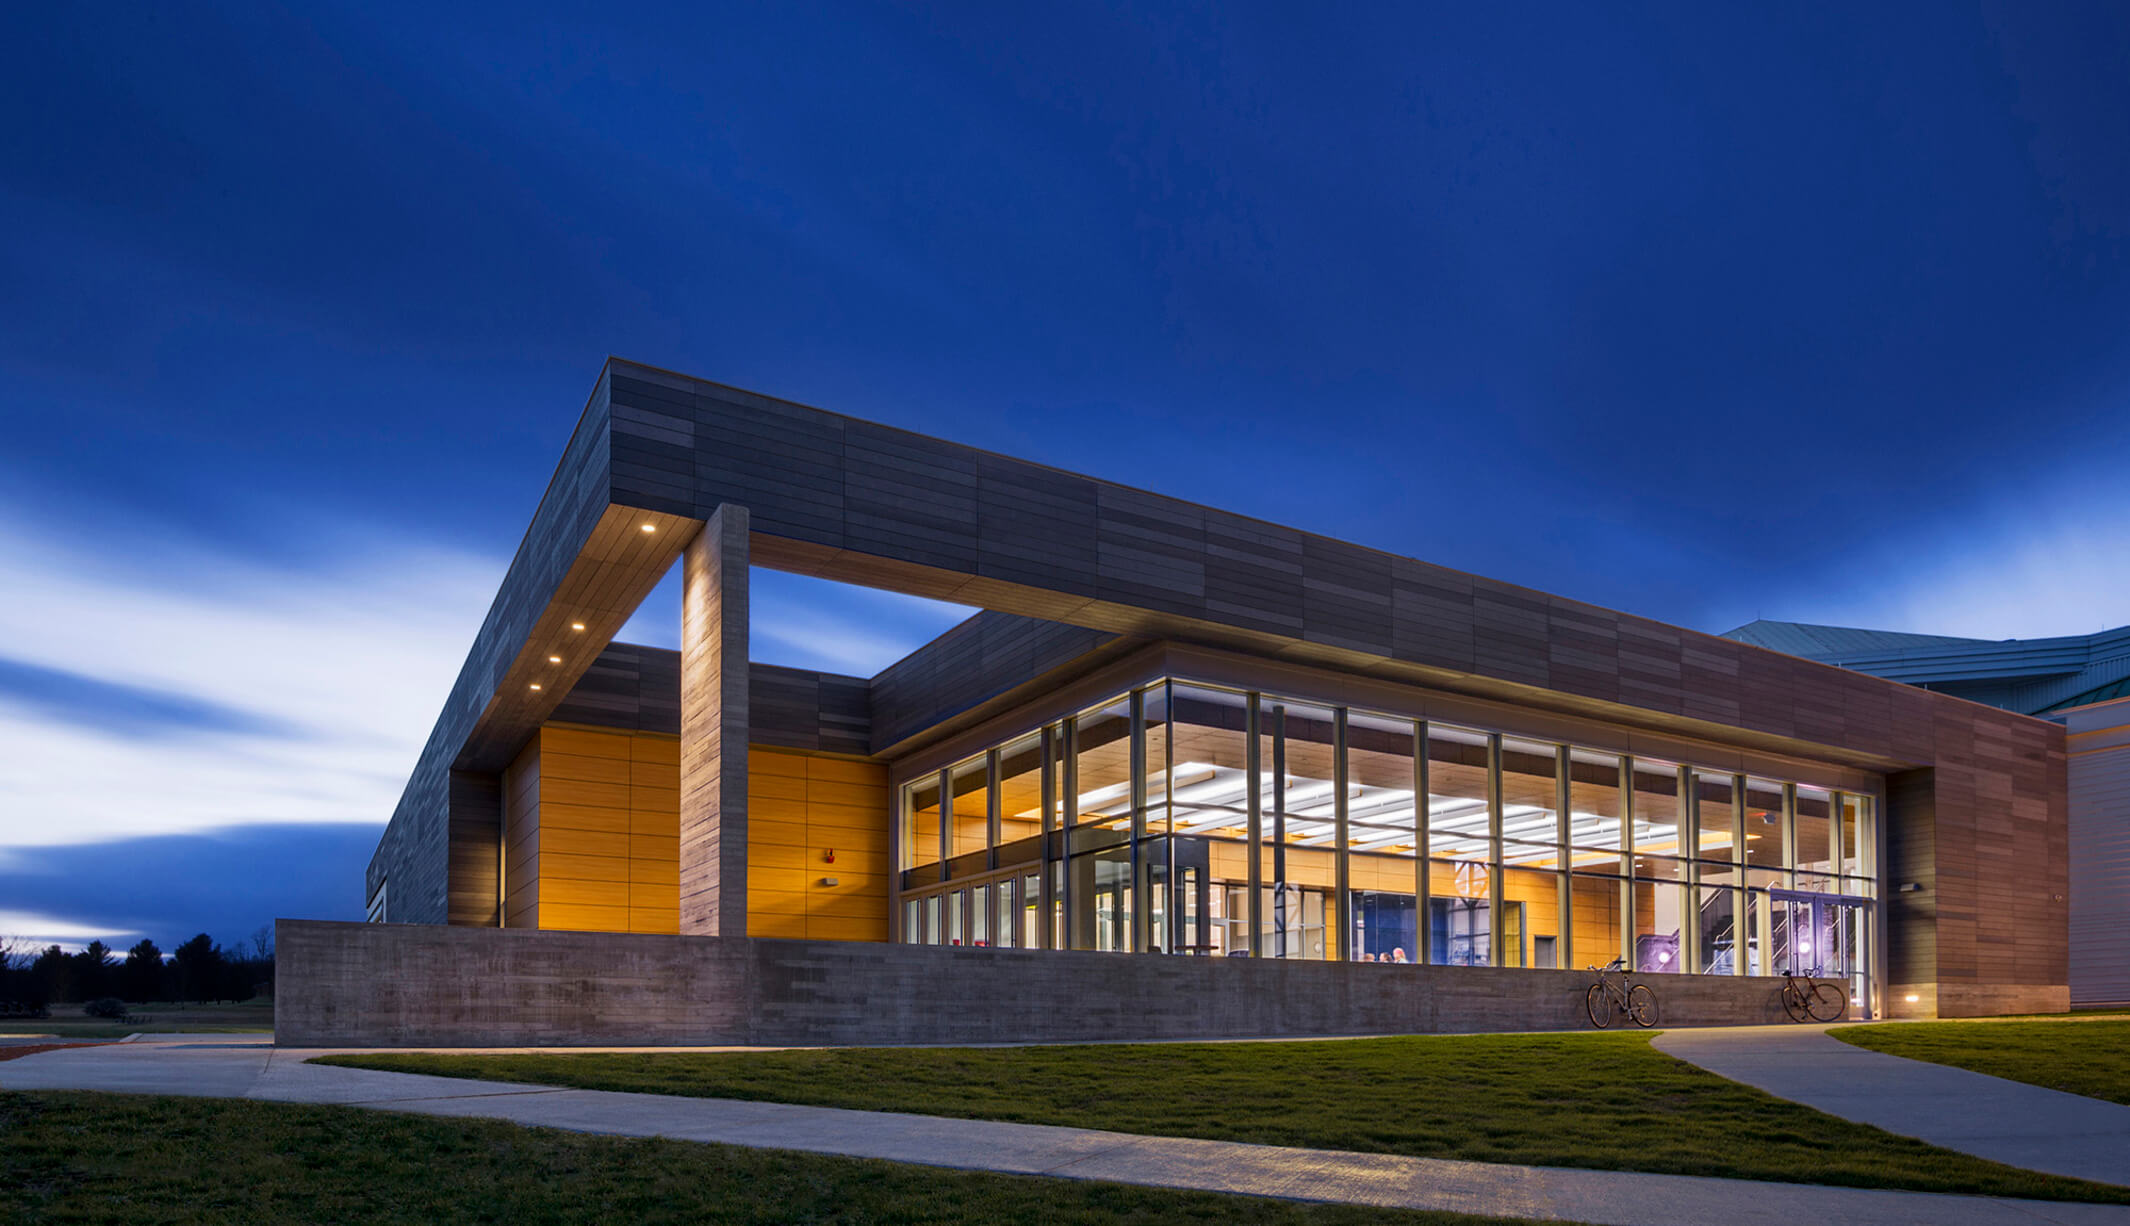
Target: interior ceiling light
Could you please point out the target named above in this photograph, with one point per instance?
(576, 625)
(554, 659)
(536, 685)
(649, 528)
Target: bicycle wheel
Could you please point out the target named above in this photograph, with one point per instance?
(1642, 1005)
(1826, 1003)
(1793, 1003)
(1601, 1006)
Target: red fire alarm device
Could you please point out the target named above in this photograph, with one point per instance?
(830, 855)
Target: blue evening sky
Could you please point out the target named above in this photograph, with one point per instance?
(1815, 314)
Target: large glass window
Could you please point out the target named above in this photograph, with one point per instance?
(920, 823)
(1599, 907)
(1763, 823)
(1460, 928)
(1715, 817)
(1099, 884)
(1857, 836)
(1382, 837)
(1020, 799)
(1298, 863)
(1457, 794)
(1657, 817)
(969, 813)
(1815, 840)
(1530, 917)
(1537, 854)
(1594, 807)
(1530, 802)
(1205, 784)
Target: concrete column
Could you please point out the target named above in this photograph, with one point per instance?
(713, 728)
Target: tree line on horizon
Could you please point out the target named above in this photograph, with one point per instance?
(197, 971)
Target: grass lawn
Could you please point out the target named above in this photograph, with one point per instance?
(69, 1022)
(2079, 1057)
(1608, 1101)
(76, 1157)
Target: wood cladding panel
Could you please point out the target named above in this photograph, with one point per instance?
(801, 807)
(611, 867)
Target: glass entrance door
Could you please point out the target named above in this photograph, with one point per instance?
(1826, 935)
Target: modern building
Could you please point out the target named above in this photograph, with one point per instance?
(1186, 773)
(2079, 681)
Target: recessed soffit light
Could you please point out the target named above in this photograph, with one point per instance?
(650, 528)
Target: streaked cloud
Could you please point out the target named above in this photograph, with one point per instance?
(34, 930)
(172, 685)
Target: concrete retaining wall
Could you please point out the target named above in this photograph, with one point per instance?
(389, 985)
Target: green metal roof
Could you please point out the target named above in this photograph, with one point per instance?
(2119, 688)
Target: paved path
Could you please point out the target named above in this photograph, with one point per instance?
(1989, 1117)
(231, 1066)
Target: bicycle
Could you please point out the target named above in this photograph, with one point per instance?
(1607, 1000)
(1805, 1000)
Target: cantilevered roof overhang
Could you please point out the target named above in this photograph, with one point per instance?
(854, 501)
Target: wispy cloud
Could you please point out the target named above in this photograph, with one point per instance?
(175, 686)
(36, 930)
(167, 685)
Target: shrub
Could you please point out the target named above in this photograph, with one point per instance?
(106, 1007)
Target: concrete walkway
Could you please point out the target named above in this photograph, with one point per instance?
(1989, 1117)
(233, 1066)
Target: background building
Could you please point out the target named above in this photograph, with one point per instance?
(2079, 681)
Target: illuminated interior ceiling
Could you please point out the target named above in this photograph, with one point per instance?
(1210, 801)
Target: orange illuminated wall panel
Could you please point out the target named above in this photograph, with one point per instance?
(799, 808)
(591, 830)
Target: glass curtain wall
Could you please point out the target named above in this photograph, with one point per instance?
(1716, 873)
(1297, 859)
(1196, 820)
(1099, 892)
(1205, 785)
(1382, 838)
(1603, 912)
(1460, 847)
